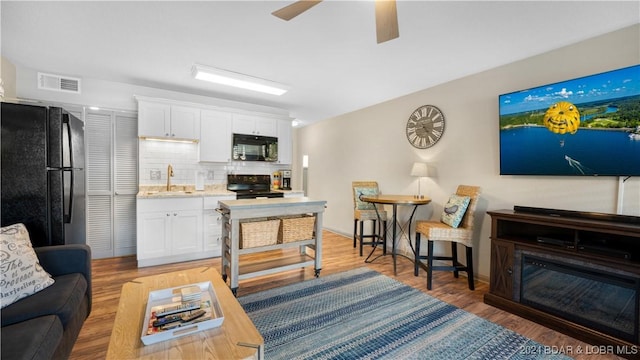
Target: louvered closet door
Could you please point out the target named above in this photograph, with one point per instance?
(112, 155)
(126, 184)
(99, 165)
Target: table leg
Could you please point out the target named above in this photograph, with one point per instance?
(234, 256)
(395, 221)
(317, 251)
(376, 238)
(402, 231)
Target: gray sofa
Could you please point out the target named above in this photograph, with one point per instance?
(46, 324)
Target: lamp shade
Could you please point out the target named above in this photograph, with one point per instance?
(419, 170)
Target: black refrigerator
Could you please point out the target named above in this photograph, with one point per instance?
(42, 180)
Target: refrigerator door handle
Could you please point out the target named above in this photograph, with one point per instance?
(68, 152)
(68, 211)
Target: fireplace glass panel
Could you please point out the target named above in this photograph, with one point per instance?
(603, 301)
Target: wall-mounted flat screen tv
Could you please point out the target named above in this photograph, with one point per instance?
(588, 126)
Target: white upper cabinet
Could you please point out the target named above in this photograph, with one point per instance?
(254, 125)
(185, 122)
(212, 126)
(158, 119)
(154, 119)
(215, 136)
(284, 142)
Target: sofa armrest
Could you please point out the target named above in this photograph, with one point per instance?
(67, 259)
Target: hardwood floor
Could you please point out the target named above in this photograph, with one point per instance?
(338, 255)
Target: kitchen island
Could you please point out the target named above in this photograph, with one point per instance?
(237, 211)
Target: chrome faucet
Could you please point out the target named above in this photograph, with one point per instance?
(169, 175)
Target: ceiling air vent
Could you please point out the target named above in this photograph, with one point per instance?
(58, 83)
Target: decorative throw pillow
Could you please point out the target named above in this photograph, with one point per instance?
(20, 269)
(366, 191)
(454, 210)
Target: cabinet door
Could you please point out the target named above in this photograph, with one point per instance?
(215, 136)
(284, 142)
(244, 124)
(153, 234)
(254, 125)
(266, 127)
(185, 122)
(186, 231)
(154, 119)
(502, 261)
(125, 182)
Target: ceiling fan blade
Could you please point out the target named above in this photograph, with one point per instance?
(290, 11)
(386, 20)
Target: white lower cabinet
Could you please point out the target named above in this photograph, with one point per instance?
(186, 235)
(153, 234)
(169, 230)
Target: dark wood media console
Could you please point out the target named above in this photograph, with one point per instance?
(577, 273)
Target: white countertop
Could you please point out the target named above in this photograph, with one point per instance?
(180, 191)
(272, 202)
(258, 208)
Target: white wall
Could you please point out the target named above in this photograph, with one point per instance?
(370, 144)
(8, 78)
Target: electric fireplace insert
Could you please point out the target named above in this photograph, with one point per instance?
(583, 293)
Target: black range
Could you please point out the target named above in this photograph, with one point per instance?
(252, 186)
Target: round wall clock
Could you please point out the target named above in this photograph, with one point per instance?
(425, 126)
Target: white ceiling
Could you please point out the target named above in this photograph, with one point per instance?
(328, 55)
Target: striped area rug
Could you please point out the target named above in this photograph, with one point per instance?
(362, 314)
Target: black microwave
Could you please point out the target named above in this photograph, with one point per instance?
(254, 148)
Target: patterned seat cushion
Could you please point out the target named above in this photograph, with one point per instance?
(21, 272)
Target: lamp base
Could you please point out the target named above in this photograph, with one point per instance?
(418, 196)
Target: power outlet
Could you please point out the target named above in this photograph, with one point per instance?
(154, 174)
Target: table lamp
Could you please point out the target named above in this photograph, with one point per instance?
(419, 170)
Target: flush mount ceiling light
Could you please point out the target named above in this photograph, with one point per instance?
(238, 80)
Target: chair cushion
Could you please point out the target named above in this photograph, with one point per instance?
(21, 272)
(63, 299)
(438, 231)
(36, 338)
(369, 215)
(454, 210)
(366, 191)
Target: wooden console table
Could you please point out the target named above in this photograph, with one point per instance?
(236, 210)
(602, 250)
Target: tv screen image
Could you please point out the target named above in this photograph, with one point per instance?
(588, 126)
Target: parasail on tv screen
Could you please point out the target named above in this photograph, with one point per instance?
(588, 126)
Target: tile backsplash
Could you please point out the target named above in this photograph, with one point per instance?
(155, 157)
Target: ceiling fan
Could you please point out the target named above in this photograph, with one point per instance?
(386, 16)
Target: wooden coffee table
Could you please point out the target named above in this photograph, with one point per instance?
(236, 338)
